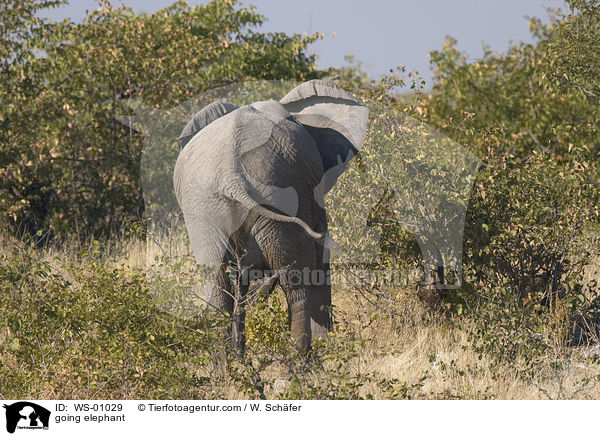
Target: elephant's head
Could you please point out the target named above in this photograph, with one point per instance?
(336, 121)
(334, 118)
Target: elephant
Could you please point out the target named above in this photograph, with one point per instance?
(251, 182)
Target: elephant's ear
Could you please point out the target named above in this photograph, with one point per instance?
(202, 119)
(335, 119)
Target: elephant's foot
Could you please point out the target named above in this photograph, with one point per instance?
(318, 330)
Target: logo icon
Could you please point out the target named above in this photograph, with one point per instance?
(26, 415)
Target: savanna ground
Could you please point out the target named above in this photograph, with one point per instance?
(91, 320)
(83, 325)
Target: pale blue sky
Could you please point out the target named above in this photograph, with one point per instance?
(381, 34)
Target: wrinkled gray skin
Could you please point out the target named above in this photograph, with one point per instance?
(251, 183)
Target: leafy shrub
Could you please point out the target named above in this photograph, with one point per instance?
(68, 166)
(528, 243)
(91, 331)
(530, 113)
(529, 226)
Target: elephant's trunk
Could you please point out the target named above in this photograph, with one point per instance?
(320, 314)
(300, 323)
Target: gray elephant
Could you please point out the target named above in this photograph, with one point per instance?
(251, 182)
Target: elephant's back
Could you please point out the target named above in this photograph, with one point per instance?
(260, 142)
(204, 156)
(254, 161)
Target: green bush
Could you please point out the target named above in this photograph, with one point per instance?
(530, 226)
(90, 331)
(67, 165)
(529, 239)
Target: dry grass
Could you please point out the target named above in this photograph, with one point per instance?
(402, 341)
(421, 343)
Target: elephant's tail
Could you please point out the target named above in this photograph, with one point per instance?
(287, 219)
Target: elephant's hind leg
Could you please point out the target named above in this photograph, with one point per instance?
(228, 299)
(218, 291)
